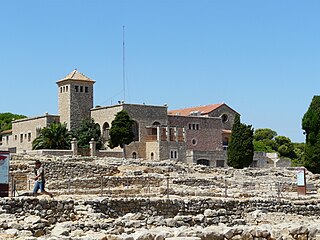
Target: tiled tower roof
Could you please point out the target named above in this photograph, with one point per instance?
(78, 76)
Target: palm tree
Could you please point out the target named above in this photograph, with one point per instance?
(56, 136)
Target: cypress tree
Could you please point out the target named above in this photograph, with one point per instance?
(240, 148)
(311, 126)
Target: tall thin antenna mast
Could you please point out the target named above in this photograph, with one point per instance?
(123, 65)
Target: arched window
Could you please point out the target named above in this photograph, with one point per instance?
(135, 130)
(203, 162)
(156, 123)
(134, 155)
(105, 131)
(152, 156)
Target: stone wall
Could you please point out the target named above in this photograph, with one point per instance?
(225, 109)
(207, 137)
(215, 210)
(155, 218)
(211, 156)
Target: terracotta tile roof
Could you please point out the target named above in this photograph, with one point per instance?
(202, 110)
(75, 75)
(6, 132)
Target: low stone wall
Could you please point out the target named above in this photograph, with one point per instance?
(216, 210)
(190, 217)
(52, 152)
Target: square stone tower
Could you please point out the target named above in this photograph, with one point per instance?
(75, 98)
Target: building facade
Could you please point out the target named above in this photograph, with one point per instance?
(193, 135)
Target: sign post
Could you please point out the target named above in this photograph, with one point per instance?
(4, 173)
(301, 181)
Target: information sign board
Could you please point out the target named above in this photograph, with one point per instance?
(4, 173)
(301, 177)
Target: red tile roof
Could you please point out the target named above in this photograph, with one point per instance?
(203, 110)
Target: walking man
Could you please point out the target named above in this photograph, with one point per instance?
(39, 180)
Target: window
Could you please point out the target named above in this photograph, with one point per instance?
(152, 155)
(76, 88)
(154, 131)
(81, 88)
(173, 154)
(105, 131)
(135, 130)
(66, 88)
(134, 155)
(86, 89)
(225, 143)
(29, 137)
(194, 126)
(194, 141)
(15, 137)
(224, 117)
(60, 89)
(21, 137)
(220, 163)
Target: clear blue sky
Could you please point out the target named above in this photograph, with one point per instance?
(260, 57)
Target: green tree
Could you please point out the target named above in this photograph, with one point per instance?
(240, 148)
(311, 127)
(285, 147)
(6, 120)
(264, 140)
(264, 134)
(262, 146)
(56, 136)
(121, 133)
(299, 154)
(87, 130)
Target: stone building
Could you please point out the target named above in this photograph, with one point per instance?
(194, 135)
